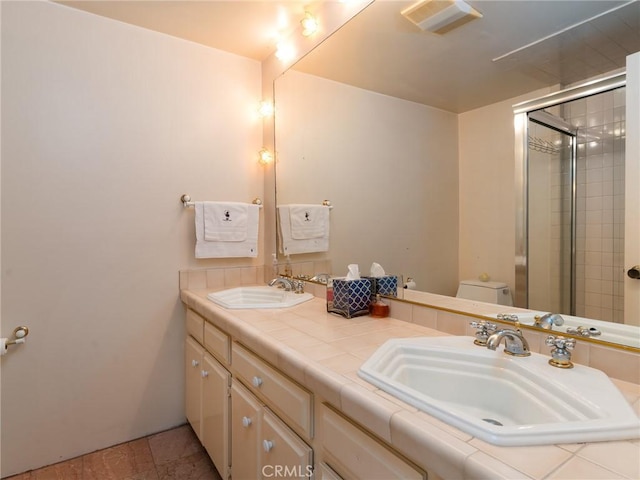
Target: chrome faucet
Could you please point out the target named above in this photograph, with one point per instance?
(514, 342)
(548, 320)
(283, 282)
(321, 278)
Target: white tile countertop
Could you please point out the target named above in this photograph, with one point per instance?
(324, 351)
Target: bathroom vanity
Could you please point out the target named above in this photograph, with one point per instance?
(275, 392)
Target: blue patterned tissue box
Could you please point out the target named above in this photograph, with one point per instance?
(387, 285)
(351, 298)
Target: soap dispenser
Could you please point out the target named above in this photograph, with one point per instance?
(274, 266)
(288, 271)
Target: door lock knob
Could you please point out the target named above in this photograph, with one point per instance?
(634, 272)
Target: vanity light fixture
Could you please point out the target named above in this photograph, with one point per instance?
(265, 157)
(440, 16)
(309, 24)
(285, 51)
(265, 109)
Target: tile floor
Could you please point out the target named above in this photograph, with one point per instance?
(175, 454)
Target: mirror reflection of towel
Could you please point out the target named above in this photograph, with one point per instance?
(289, 245)
(308, 221)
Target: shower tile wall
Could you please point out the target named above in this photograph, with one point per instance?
(600, 204)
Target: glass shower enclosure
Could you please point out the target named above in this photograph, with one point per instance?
(570, 202)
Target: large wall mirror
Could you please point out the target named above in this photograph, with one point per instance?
(410, 134)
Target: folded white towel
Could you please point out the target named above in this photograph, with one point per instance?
(308, 221)
(289, 245)
(225, 221)
(224, 249)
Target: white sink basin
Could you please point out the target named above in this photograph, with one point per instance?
(499, 398)
(258, 297)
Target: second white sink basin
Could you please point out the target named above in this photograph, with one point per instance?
(258, 297)
(499, 398)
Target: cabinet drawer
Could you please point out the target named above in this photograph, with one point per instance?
(281, 394)
(217, 343)
(195, 325)
(358, 455)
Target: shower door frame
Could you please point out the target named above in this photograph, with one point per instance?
(521, 124)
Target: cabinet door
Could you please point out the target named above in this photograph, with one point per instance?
(245, 430)
(216, 381)
(283, 453)
(193, 355)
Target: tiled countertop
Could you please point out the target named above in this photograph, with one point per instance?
(324, 351)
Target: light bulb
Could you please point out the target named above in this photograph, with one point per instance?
(265, 157)
(285, 51)
(265, 109)
(309, 24)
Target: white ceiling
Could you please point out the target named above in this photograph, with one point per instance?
(516, 47)
(244, 27)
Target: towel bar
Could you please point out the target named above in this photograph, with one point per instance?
(186, 201)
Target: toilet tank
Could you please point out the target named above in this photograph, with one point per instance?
(490, 292)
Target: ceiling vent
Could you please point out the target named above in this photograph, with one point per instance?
(440, 16)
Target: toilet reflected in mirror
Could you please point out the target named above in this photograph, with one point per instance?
(489, 292)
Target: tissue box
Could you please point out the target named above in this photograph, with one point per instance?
(387, 285)
(351, 298)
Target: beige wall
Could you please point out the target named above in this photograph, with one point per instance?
(104, 126)
(389, 167)
(487, 197)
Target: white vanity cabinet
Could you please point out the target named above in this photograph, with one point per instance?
(289, 400)
(257, 422)
(207, 395)
(246, 415)
(262, 445)
(354, 454)
(236, 423)
(216, 405)
(193, 355)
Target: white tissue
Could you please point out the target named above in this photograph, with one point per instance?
(377, 271)
(353, 272)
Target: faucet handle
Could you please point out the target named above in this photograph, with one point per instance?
(484, 330)
(561, 351)
(560, 342)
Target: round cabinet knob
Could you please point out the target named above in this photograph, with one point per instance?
(267, 445)
(634, 272)
(204, 374)
(195, 363)
(256, 381)
(246, 422)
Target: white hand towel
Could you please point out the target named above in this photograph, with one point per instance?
(225, 221)
(222, 249)
(289, 245)
(308, 221)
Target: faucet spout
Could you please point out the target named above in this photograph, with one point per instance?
(283, 282)
(547, 321)
(514, 342)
